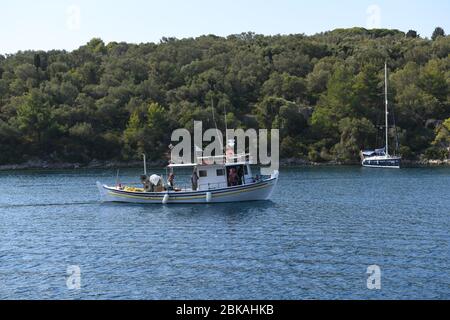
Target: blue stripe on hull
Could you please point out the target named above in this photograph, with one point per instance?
(255, 191)
(190, 193)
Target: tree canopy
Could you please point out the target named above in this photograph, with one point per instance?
(324, 92)
(438, 32)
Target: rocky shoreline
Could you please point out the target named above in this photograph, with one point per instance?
(407, 163)
(96, 164)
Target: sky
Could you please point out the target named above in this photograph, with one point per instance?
(68, 24)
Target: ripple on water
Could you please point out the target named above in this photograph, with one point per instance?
(314, 240)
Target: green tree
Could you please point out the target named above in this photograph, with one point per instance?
(355, 135)
(134, 136)
(433, 80)
(336, 103)
(268, 109)
(290, 120)
(286, 86)
(147, 133)
(366, 89)
(317, 80)
(34, 116)
(412, 34)
(438, 32)
(10, 143)
(441, 143)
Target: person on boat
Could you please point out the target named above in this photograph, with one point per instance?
(232, 177)
(145, 182)
(155, 183)
(170, 182)
(194, 179)
(240, 175)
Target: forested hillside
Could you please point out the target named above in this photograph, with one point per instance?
(324, 92)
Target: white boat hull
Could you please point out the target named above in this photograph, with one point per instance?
(261, 190)
(385, 162)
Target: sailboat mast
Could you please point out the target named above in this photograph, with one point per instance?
(386, 110)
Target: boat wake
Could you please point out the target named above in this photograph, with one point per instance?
(62, 204)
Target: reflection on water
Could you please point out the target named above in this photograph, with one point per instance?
(313, 240)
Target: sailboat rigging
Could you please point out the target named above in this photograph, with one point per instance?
(380, 158)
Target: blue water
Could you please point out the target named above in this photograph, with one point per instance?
(314, 240)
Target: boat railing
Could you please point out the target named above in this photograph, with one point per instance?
(212, 186)
(201, 187)
(223, 159)
(122, 183)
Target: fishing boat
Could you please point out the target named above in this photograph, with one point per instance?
(214, 179)
(380, 158)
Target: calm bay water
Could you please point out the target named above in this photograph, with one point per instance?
(314, 240)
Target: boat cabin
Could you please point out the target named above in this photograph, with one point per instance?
(222, 176)
(213, 175)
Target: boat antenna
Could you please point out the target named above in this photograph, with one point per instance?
(386, 107)
(212, 108)
(145, 164)
(117, 177)
(226, 127)
(214, 118)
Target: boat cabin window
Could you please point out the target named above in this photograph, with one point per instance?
(220, 172)
(202, 173)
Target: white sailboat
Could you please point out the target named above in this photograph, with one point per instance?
(380, 158)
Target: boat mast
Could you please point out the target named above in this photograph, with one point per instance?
(145, 164)
(226, 128)
(386, 110)
(215, 123)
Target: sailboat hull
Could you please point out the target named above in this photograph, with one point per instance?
(382, 162)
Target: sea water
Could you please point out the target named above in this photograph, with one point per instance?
(315, 239)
